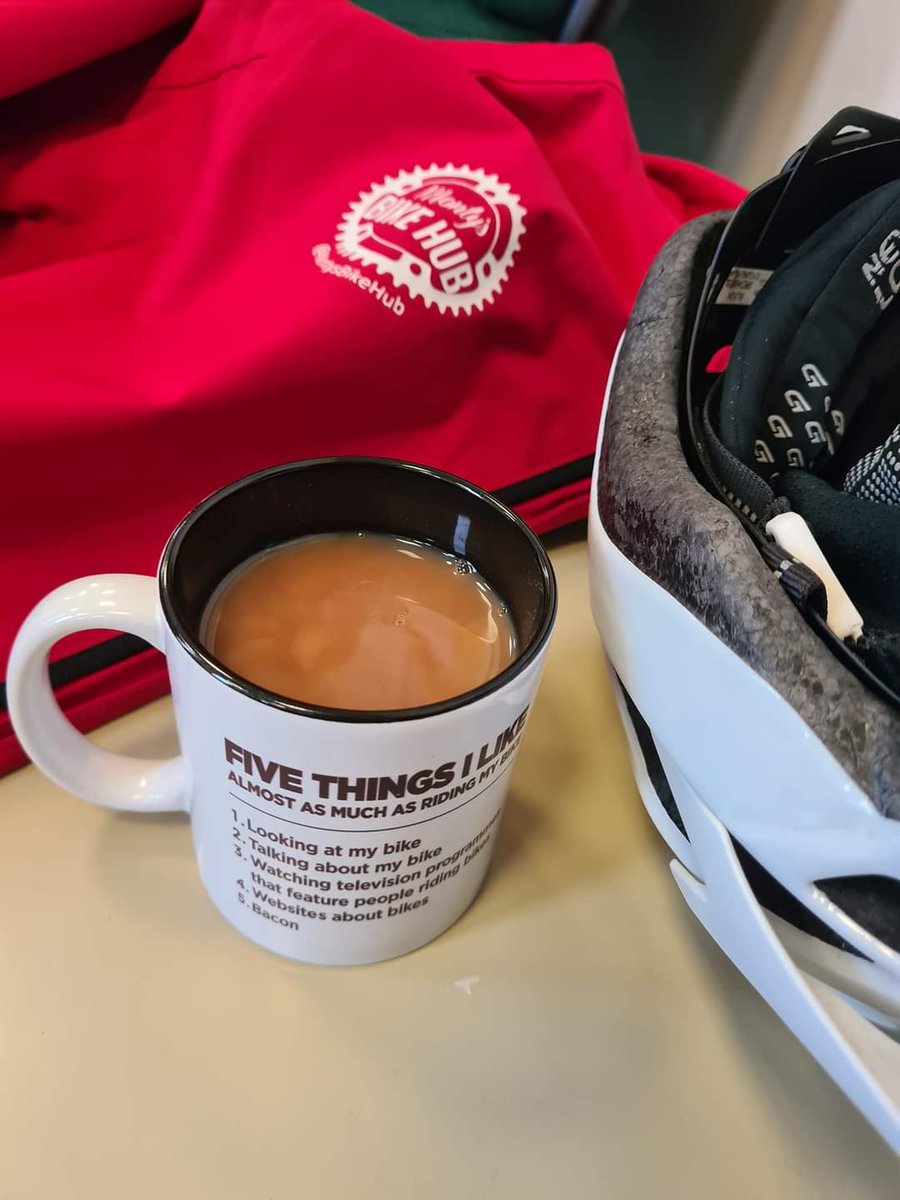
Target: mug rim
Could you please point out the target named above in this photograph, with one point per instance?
(354, 716)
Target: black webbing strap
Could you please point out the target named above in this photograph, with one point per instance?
(803, 586)
(747, 491)
(757, 504)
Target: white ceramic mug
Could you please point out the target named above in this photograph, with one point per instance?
(327, 835)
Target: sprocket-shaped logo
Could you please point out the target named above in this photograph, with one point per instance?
(447, 235)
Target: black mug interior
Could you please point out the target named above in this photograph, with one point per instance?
(373, 495)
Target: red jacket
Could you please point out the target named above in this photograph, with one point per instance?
(282, 230)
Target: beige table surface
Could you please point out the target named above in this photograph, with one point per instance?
(574, 1035)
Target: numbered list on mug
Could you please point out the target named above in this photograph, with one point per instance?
(311, 846)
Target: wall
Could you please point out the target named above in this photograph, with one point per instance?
(681, 62)
(814, 57)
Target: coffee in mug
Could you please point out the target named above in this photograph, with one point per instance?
(328, 833)
(360, 621)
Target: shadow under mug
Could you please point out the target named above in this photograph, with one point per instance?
(327, 835)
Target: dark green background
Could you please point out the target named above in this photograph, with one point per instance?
(680, 60)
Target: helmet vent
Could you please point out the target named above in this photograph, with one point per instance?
(652, 762)
(872, 901)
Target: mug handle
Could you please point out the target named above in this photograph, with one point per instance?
(129, 604)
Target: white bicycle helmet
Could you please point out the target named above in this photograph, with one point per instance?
(745, 566)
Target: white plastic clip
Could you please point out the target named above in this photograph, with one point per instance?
(795, 537)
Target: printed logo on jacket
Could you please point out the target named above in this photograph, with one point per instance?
(445, 236)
